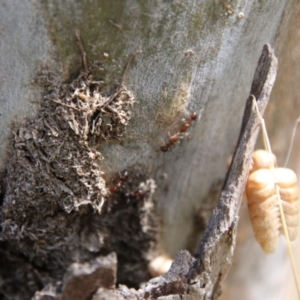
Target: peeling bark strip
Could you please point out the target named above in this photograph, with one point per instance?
(200, 278)
(216, 247)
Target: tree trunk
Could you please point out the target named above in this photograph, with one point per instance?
(138, 181)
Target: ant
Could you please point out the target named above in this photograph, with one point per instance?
(122, 186)
(117, 187)
(186, 124)
(173, 139)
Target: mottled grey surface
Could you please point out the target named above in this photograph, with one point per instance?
(196, 57)
(24, 45)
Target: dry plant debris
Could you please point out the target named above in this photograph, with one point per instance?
(56, 155)
(57, 208)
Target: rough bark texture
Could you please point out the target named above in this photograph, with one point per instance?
(196, 57)
(200, 277)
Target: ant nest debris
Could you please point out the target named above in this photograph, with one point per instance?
(55, 154)
(56, 209)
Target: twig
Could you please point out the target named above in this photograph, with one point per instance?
(83, 53)
(119, 89)
(63, 104)
(115, 24)
(128, 65)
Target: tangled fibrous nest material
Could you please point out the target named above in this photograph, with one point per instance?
(54, 167)
(58, 209)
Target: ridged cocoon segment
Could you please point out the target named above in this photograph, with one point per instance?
(262, 159)
(264, 206)
(289, 194)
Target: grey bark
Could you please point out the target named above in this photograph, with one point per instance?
(199, 277)
(196, 57)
